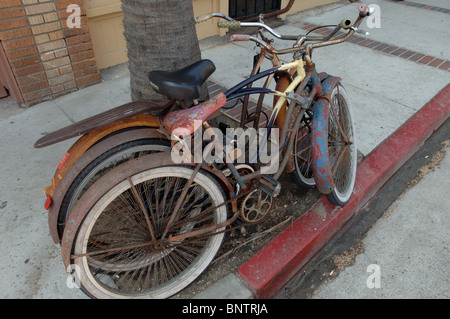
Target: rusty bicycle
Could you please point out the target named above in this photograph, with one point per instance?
(150, 226)
(112, 137)
(127, 131)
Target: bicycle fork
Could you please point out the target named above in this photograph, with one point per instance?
(323, 174)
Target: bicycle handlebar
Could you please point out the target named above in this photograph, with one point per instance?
(237, 24)
(229, 24)
(345, 24)
(208, 16)
(240, 37)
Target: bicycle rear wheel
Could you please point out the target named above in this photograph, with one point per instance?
(113, 248)
(342, 149)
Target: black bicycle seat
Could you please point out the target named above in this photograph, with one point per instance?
(184, 84)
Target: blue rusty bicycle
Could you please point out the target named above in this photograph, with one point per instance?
(151, 226)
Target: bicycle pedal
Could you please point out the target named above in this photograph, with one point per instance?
(269, 185)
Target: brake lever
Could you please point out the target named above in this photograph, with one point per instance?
(356, 30)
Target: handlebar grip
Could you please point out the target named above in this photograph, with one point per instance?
(229, 24)
(240, 37)
(346, 23)
(363, 10)
(203, 18)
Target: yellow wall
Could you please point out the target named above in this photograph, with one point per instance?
(105, 19)
(300, 5)
(209, 28)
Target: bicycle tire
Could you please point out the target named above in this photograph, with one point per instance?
(101, 165)
(148, 271)
(342, 152)
(303, 174)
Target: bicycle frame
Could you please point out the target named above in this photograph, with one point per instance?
(319, 93)
(239, 90)
(245, 118)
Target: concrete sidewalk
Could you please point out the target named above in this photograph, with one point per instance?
(405, 254)
(389, 78)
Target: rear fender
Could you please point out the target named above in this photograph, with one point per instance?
(89, 139)
(323, 175)
(105, 119)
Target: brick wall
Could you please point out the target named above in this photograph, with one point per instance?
(48, 59)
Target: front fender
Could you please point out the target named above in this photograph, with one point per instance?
(113, 177)
(323, 175)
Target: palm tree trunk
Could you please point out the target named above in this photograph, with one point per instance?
(160, 35)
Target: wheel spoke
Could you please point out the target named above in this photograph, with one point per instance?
(303, 173)
(143, 209)
(118, 249)
(341, 148)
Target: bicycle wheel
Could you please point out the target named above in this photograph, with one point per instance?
(342, 150)
(117, 258)
(101, 165)
(303, 174)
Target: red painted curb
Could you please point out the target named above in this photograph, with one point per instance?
(267, 272)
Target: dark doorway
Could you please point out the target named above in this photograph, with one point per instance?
(8, 83)
(239, 9)
(3, 92)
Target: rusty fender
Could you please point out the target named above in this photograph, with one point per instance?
(82, 162)
(104, 119)
(323, 175)
(114, 177)
(89, 139)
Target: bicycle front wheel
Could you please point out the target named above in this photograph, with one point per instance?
(303, 174)
(114, 250)
(342, 150)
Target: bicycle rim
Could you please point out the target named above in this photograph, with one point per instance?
(122, 263)
(341, 147)
(303, 174)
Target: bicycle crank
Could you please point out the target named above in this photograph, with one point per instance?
(255, 206)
